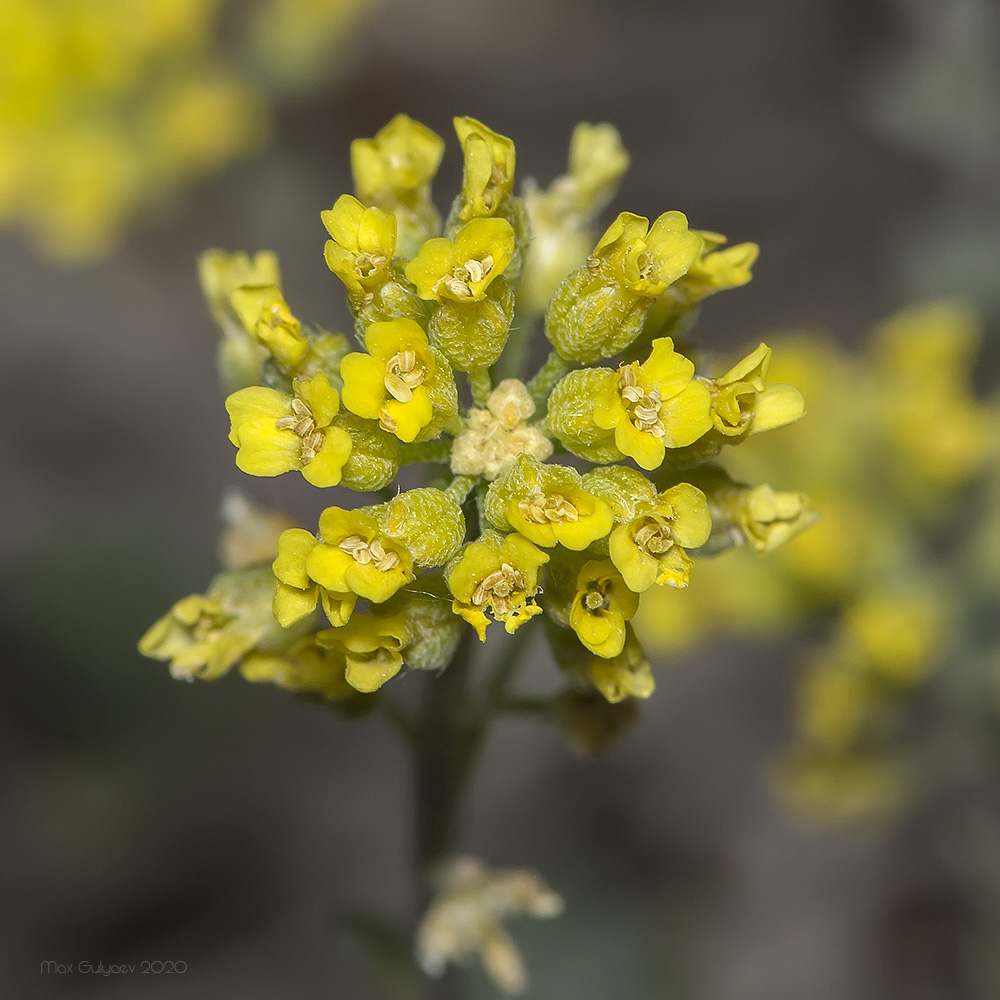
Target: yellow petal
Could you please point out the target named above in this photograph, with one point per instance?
(294, 545)
(364, 384)
(343, 221)
(369, 675)
(327, 466)
(266, 451)
(255, 403)
(665, 369)
(319, 396)
(411, 417)
(292, 605)
(687, 416)
(691, 522)
(776, 406)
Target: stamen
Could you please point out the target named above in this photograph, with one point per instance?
(541, 508)
(363, 552)
(497, 589)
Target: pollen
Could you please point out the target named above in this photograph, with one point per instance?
(302, 423)
(364, 552)
(653, 538)
(497, 589)
(551, 508)
(403, 375)
(643, 407)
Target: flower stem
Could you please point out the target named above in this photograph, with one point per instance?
(479, 380)
(550, 373)
(425, 451)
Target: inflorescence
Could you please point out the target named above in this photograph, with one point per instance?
(566, 495)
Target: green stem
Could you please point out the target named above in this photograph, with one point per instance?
(544, 382)
(479, 380)
(425, 451)
(460, 487)
(442, 765)
(511, 363)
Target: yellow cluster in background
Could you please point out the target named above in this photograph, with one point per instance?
(107, 107)
(897, 453)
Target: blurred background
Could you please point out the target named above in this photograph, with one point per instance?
(230, 826)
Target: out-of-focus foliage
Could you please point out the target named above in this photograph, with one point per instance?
(108, 107)
(900, 458)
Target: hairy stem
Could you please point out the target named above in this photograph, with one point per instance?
(426, 451)
(544, 382)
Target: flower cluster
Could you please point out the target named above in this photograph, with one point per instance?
(568, 495)
(108, 106)
(899, 457)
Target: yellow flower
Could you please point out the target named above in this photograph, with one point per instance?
(743, 403)
(461, 271)
(203, 635)
(650, 548)
(393, 383)
(361, 249)
(766, 518)
(498, 574)
(627, 675)
(466, 916)
(371, 646)
(305, 667)
(843, 787)
(265, 315)
(898, 635)
(400, 161)
(833, 704)
(489, 168)
(356, 557)
(601, 607)
(277, 433)
(221, 273)
(646, 259)
(295, 593)
(717, 270)
(548, 505)
(653, 406)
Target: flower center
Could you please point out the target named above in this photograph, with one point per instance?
(302, 423)
(644, 262)
(497, 589)
(642, 407)
(596, 598)
(366, 264)
(403, 375)
(653, 538)
(498, 177)
(364, 552)
(458, 282)
(547, 508)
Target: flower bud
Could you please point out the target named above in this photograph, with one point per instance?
(428, 522)
(374, 458)
(571, 416)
